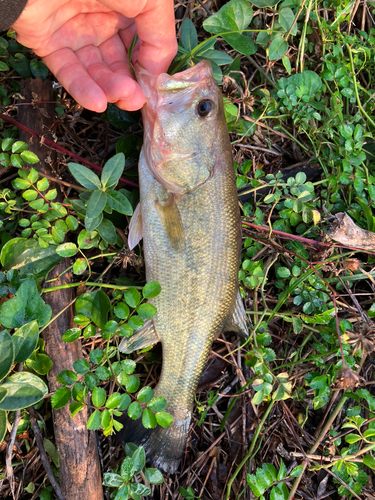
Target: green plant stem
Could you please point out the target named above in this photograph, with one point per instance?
(111, 254)
(315, 446)
(250, 452)
(90, 283)
(293, 138)
(360, 107)
(301, 47)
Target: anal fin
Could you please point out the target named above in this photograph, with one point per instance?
(135, 228)
(237, 321)
(170, 217)
(144, 337)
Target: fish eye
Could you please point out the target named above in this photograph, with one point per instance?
(204, 107)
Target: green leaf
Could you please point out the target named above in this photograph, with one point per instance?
(278, 48)
(219, 58)
(310, 81)
(164, 419)
(71, 335)
(71, 222)
(121, 310)
(61, 398)
(157, 404)
(24, 389)
(119, 202)
(84, 176)
(132, 297)
(27, 257)
(145, 394)
(112, 170)
(3, 424)
(286, 63)
(279, 492)
(66, 377)
(148, 419)
(87, 240)
(107, 231)
(234, 15)
(94, 423)
(16, 161)
(352, 438)
(123, 491)
(24, 307)
(40, 363)
(189, 37)
(140, 490)
(368, 460)
(114, 400)
(92, 224)
(96, 355)
(132, 384)
(52, 451)
(29, 157)
(124, 403)
(127, 469)
(242, 43)
(6, 353)
(134, 410)
(135, 322)
(38, 69)
(81, 366)
(146, 311)
(67, 249)
(29, 195)
(96, 204)
(98, 397)
(265, 3)
(151, 290)
(282, 471)
(286, 19)
(112, 480)
(128, 366)
(3, 66)
(283, 272)
(154, 476)
(95, 306)
(80, 266)
(19, 146)
(119, 118)
(139, 459)
(297, 471)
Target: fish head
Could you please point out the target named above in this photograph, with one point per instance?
(183, 118)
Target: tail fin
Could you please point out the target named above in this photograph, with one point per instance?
(164, 447)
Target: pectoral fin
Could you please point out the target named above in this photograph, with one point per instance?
(237, 321)
(170, 217)
(135, 228)
(144, 337)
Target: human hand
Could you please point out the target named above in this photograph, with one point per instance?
(84, 43)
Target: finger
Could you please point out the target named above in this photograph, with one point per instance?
(156, 28)
(70, 72)
(109, 69)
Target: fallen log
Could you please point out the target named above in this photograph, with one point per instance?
(80, 475)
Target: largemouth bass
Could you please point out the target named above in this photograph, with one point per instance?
(189, 219)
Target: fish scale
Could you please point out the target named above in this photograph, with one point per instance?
(190, 224)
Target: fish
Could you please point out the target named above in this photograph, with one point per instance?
(189, 219)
